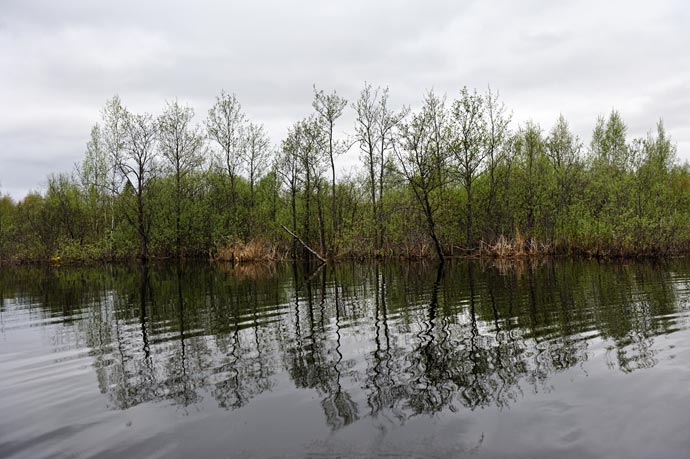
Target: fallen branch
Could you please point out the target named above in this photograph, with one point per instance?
(316, 254)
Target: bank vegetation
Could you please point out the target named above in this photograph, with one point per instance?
(453, 177)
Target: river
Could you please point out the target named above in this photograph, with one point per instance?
(480, 359)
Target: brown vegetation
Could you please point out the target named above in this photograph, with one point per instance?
(257, 249)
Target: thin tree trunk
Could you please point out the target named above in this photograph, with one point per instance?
(307, 209)
(432, 229)
(293, 195)
(334, 212)
(178, 211)
(374, 209)
(470, 242)
(322, 223)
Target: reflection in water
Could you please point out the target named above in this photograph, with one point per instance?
(385, 342)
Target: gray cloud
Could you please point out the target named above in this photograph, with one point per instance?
(60, 61)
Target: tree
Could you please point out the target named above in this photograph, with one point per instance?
(467, 140)
(94, 176)
(311, 163)
(225, 125)
(375, 124)
(656, 203)
(36, 229)
(8, 211)
(64, 208)
(181, 147)
(564, 152)
(287, 165)
(534, 186)
(113, 135)
(330, 107)
(256, 151)
(608, 144)
(497, 135)
(137, 166)
(610, 165)
(661, 152)
(422, 159)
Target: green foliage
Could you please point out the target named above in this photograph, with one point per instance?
(442, 179)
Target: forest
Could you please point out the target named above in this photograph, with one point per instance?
(450, 178)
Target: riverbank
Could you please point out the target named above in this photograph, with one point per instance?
(266, 251)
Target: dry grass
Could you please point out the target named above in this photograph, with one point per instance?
(253, 250)
(417, 249)
(517, 247)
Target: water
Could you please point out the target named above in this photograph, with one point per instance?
(550, 359)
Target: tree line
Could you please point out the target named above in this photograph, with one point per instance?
(452, 177)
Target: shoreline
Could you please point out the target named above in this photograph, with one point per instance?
(476, 255)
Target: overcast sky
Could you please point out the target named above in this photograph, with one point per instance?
(61, 60)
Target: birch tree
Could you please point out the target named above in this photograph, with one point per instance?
(422, 158)
(287, 167)
(311, 163)
(375, 124)
(467, 136)
(137, 166)
(495, 143)
(255, 153)
(93, 174)
(329, 108)
(113, 135)
(225, 126)
(181, 147)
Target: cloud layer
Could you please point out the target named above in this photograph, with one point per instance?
(60, 61)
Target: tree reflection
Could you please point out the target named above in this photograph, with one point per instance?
(315, 361)
(386, 341)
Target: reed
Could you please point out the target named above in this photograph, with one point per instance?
(257, 249)
(517, 247)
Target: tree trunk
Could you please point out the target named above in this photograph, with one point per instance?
(322, 223)
(307, 210)
(293, 196)
(334, 212)
(372, 177)
(432, 229)
(178, 211)
(470, 241)
(144, 243)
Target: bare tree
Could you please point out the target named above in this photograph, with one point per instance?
(93, 171)
(497, 135)
(330, 107)
(255, 152)
(94, 174)
(467, 137)
(225, 125)
(374, 131)
(422, 158)
(311, 163)
(113, 134)
(137, 165)
(181, 146)
(287, 167)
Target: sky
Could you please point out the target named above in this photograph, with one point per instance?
(61, 60)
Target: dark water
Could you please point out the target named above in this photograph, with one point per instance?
(400, 360)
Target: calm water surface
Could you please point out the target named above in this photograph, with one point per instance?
(553, 359)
